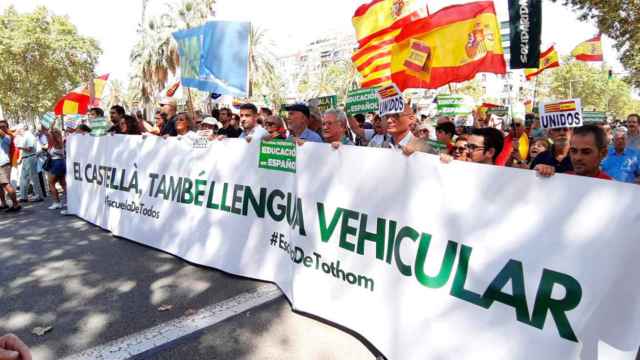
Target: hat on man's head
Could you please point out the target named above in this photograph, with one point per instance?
(210, 120)
(169, 101)
(300, 108)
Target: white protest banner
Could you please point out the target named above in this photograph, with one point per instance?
(390, 100)
(561, 114)
(457, 261)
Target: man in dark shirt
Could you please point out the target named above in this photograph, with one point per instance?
(169, 107)
(227, 129)
(556, 159)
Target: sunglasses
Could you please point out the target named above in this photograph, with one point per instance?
(269, 123)
(460, 149)
(474, 147)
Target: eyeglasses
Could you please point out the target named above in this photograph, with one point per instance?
(269, 123)
(474, 147)
(460, 148)
(328, 123)
(560, 130)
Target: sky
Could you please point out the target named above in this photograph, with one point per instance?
(290, 24)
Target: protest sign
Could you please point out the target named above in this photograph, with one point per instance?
(561, 114)
(390, 100)
(99, 126)
(324, 103)
(278, 155)
(214, 57)
(594, 117)
(453, 105)
(429, 267)
(498, 111)
(362, 101)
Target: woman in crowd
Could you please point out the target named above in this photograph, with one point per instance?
(129, 125)
(185, 126)
(57, 167)
(538, 146)
(460, 150)
(275, 126)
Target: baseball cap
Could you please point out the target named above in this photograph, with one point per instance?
(300, 108)
(210, 120)
(169, 101)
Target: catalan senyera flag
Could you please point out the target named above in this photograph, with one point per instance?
(548, 60)
(377, 24)
(590, 50)
(451, 45)
(79, 100)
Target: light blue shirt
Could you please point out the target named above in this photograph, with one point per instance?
(5, 144)
(309, 135)
(624, 167)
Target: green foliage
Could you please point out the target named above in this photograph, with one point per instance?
(589, 83)
(333, 78)
(155, 55)
(43, 57)
(618, 20)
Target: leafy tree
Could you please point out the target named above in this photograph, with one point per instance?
(43, 57)
(266, 82)
(618, 20)
(576, 79)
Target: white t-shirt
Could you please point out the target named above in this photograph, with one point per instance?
(257, 133)
(376, 140)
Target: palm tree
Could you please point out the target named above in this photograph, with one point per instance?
(264, 78)
(155, 55)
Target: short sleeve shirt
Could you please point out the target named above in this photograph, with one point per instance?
(549, 158)
(623, 167)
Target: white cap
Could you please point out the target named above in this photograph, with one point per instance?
(209, 120)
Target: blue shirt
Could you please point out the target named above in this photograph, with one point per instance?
(624, 167)
(5, 144)
(309, 135)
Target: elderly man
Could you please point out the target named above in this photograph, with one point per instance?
(622, 163)
(556, 159)
(169, 107)
(28, 146)
(376, 137)
(633, 137)
(298, 122)
(334, 128)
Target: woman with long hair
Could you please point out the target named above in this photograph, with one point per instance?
(129, 125)
(57, 168)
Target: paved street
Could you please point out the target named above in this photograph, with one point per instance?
(95, 290)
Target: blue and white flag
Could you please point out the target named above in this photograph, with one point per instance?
(214, 57)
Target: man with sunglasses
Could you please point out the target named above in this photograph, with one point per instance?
(556, 159)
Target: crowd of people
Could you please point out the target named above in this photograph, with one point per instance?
(601, 151)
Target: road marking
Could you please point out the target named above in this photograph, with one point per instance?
(148, 339)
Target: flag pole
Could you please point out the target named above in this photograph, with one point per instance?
(190, 104)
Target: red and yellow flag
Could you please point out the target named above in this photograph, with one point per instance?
(377, 24)
(451, 45)
(379, 17)
(79, 100)
(548, 60)
(590, 50)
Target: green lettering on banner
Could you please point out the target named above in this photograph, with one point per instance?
(362, 101)
(277, 156)
(324, 103)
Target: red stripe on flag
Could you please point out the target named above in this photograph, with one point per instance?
(372, 59)
(362, 9)
(397, 25)
(368, 50)
(585, 57)
(377, 68)
(374, 82)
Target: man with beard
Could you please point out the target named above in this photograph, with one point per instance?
(169, 107)
(556, 159)
(228, 130)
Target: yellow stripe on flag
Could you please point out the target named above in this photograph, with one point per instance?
(448, 44)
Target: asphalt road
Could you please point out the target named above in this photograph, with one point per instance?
(93, 289)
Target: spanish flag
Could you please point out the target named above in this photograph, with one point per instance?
(373, 61)
(548, 60)
(451, 45)
(590, 50)
(79, 100)
(380, 17)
